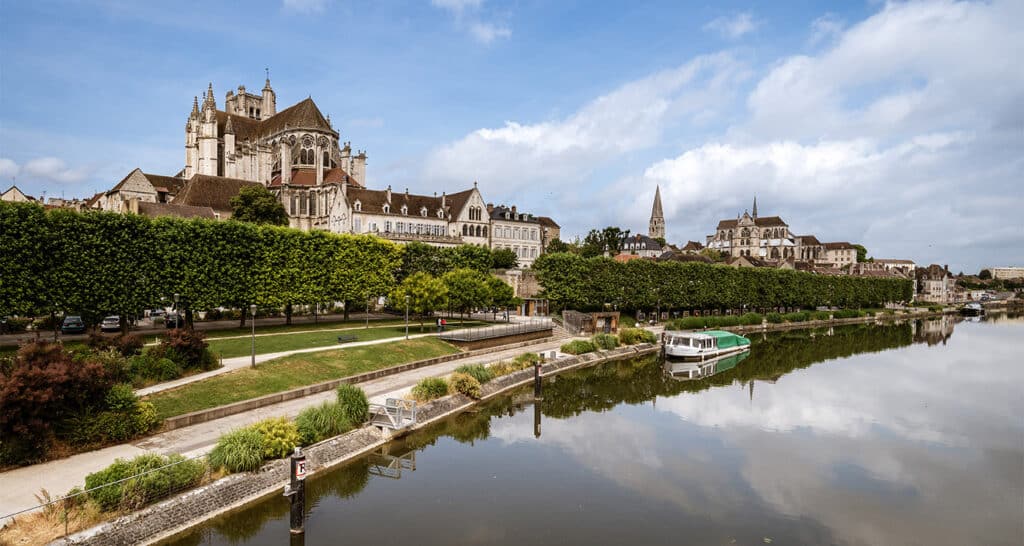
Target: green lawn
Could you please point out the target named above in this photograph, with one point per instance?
(228, 348)
(291, 372)
(334, 325)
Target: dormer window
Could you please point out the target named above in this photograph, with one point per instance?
(405, 210)
(423, 212)
(358, 206)
(440, 213)
(387, 209)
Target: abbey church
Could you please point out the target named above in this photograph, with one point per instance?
(298, 155)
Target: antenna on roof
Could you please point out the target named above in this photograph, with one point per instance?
(267, 70)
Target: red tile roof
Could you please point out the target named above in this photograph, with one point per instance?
(307, 177)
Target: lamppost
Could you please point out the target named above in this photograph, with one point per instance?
(252, 311)
(407, 316)
(177, 313)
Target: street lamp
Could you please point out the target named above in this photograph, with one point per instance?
(177, 313)
(407, 316)
(252, 311)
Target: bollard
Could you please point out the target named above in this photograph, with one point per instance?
(537, 393)
(296, 489)
(536, 420)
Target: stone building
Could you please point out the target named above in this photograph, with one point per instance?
(14, 195)
(1007, 273)
(904, 268)
(642, 245)
(935, 284)
(517, 231)
(656, 226)
(550, 230)
(840, 254)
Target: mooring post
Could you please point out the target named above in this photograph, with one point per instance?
(537, 394)
(297, 491)
(536, 420)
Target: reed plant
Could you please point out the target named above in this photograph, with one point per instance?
(430, 388)
(318, 423)
(240, 450)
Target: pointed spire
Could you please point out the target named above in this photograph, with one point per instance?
(209, 100)
(195, 106)
(755, 207)
(266, 86)
(656, 211)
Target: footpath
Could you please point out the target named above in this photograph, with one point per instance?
(18, 487)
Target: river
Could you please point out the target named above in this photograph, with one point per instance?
(897, 434)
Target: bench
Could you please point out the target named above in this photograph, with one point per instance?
(347, 337)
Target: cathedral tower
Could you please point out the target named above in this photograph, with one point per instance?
(656, 228)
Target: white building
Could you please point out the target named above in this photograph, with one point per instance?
(517, 231)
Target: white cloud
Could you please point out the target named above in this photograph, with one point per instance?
(53, 169)
(305, 6)
(486, 33)
(8, 168)
(733, 26)
(825, 28)
(467, 16)
(562, 151)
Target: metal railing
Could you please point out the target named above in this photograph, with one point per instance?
(395, 413)
(503, 330)
(574, 321)
(64, 506)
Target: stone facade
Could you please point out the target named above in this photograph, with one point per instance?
(656, 226)
(14, 195)
(935, 284)
(1007, 273)
(517, 231)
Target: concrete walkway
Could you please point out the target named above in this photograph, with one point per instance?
(235, 363)
(18, 486)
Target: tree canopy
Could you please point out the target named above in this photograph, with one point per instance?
(258, 205)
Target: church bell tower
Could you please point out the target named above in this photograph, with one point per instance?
(656, 228)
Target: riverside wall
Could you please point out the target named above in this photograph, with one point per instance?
(176, 515)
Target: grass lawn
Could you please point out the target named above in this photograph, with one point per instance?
(293, 371)
(228, 348)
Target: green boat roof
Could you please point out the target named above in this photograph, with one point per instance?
(727, 339)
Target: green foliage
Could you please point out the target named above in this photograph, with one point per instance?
(150, 366)
(520, 362)
(354, 404)
(240, 450)
(187, 348)
(557, 245)
(573, 281)
(426, 293)
(632, 336)
(504, 258)
(430, 388)
(609, 240)
(985, 274)
(862, 253)
(318, 423)
(121, 398)
(258, 205)
(280, 436)
(467, 289)
(774, 318)
(605, 341)
(477, 371)
(499, 293)
(465, 384)
(578, 347)
(848, 313)
(148, 477)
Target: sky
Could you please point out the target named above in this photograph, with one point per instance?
(899, 126)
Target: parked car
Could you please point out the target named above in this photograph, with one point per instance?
(111, 324)
(72, 325)
(175, 320)
(158, 313)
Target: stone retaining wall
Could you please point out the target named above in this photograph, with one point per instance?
(879, 318)
(202, 416)
(170, 517)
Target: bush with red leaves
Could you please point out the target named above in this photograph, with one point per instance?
(187, 348)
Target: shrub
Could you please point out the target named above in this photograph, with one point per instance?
(605, 341)
(128, 344)
(774, 318)
(632, 336)
(429, 389)
(141, 490)
(477, 371)
(354, 405)
(526, 360)
(465, 384)
(151, 366)
(798, 316)
(820, 315)
(935, 308)
(240, 450)
(750, 319)
(121, 398)
(187, 348)
(15, 325)
(578, 347)
(214, 314)
(848, 313)
(112, 361)
(125, 418)
(321, 422)
(280, 436)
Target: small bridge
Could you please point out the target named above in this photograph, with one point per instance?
(518, 328)
(394, 414)
(385, 465)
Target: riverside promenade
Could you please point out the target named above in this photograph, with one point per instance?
(19, 486)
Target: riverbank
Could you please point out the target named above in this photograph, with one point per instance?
(878, 318)
(173, 516)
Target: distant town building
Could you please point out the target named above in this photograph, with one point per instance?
(936, 285)
(903, 267)
(517, 231)
(641, 245)
(840, 254)
(1007, 273)
(14, 195)
(656, 226)
(550, 230)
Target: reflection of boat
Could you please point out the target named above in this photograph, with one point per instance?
(701, 370)
(973, 309)
(704, 345)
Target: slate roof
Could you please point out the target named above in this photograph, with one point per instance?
(498, 213)
(808, 240)
(692, 246)
(893, 261)
(457, 201)
(373, 201)
(640, 240)
(767, 221)
(302, 115)
(837, 246)
(168, 184)
(307, 177)
(179, 211)
(547, 222)
(204, 190)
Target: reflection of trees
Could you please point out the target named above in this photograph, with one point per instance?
(635, 381)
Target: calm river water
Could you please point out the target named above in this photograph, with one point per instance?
(897, 434)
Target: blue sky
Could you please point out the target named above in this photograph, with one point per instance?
(899, 125)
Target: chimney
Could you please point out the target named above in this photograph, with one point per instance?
(490, 208)
(444, 200)
(513, 210)
(387, 193)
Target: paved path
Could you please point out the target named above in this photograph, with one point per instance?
(18, 486)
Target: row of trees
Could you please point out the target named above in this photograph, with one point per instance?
(572, 281)
(96, 263)
(461, 290)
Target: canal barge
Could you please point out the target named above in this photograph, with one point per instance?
(704, 345)
(973, 309)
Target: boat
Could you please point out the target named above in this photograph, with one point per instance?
(685, 371)
(704, 345)
(972, 309)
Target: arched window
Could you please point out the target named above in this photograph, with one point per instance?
(479, 231)
(440, 213)
(423, 212)
(405, 210)
(358, 206)
(387, 209)
(485, 232)
(327, 159)
(730, 234)
(312, 204)
(745, 233)
(465, 230)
